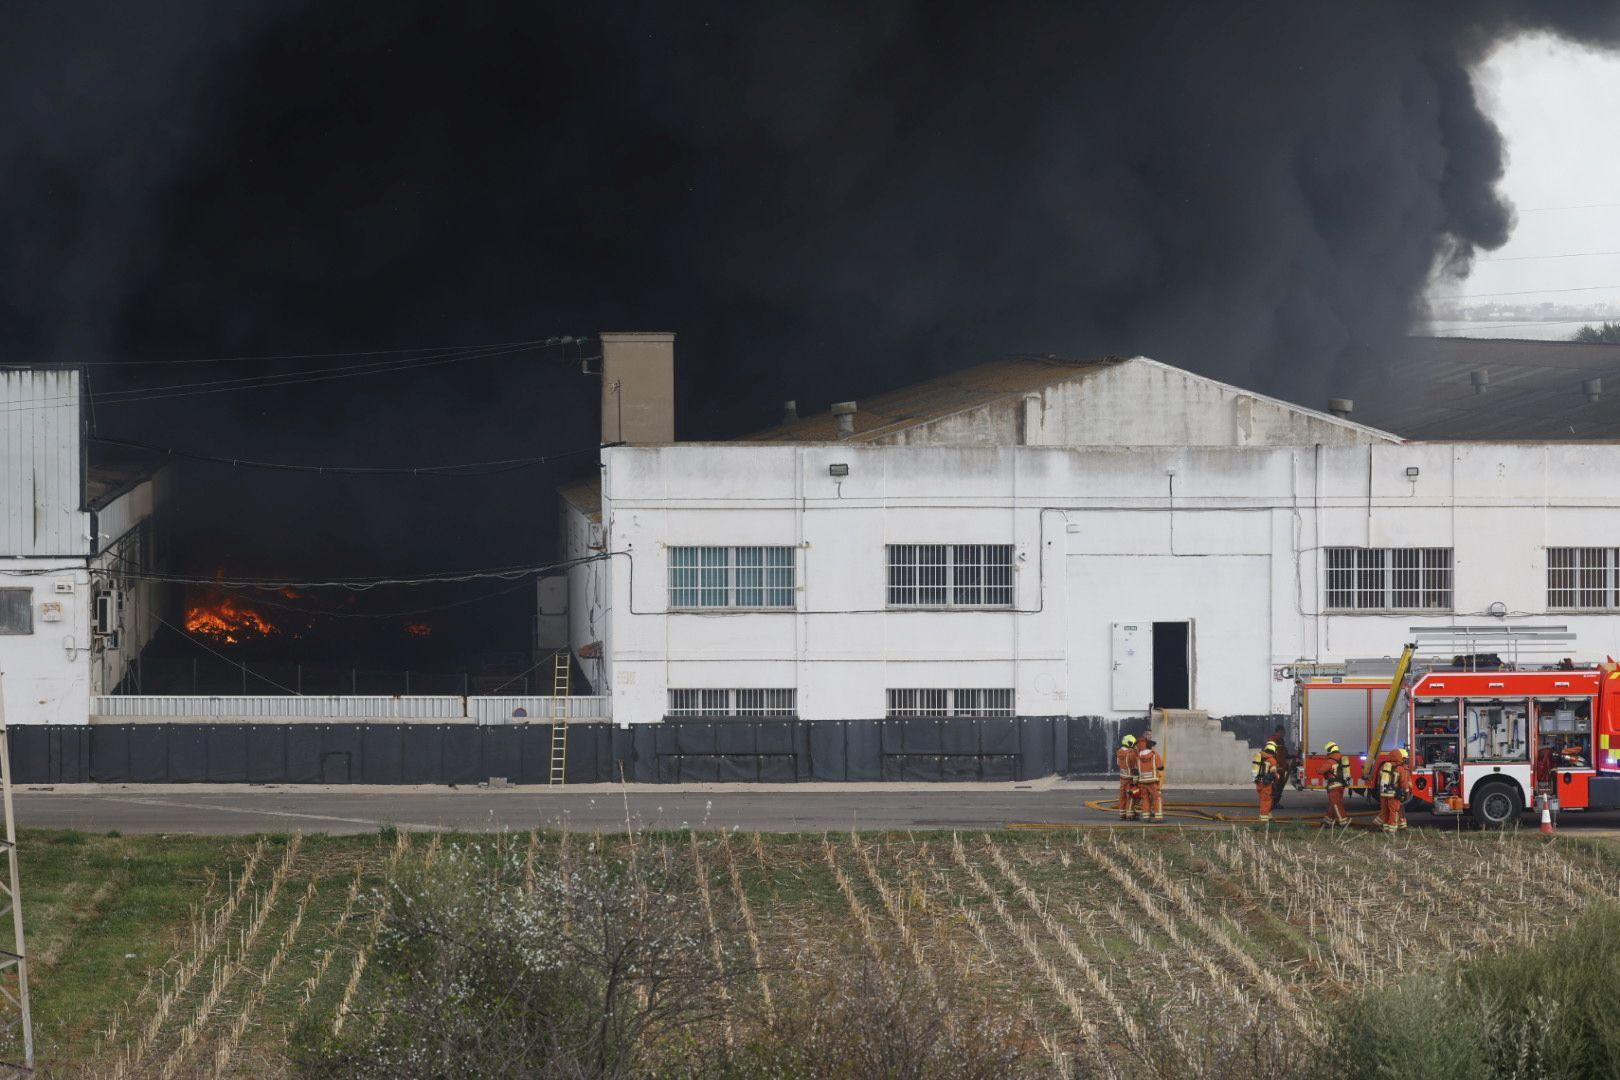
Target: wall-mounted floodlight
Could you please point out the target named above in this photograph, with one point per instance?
(838, 470)
(1412, 472)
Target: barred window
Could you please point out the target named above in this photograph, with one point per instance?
(722, 577)
(950, 702)
(1363, 579)
(16, 611)
(1583, 577)
(950, 575)
(733, 702)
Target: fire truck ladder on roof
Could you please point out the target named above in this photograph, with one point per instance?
(16, 1028)
(559, 717)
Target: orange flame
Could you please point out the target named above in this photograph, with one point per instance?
(418, 629)
(227, 620)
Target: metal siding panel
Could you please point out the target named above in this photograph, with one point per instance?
(39, 416)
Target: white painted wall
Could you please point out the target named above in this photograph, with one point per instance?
(47, 674)
(1100, 538)
(1136, 402)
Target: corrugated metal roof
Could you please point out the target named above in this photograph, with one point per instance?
(1534, 391)
(934, 399)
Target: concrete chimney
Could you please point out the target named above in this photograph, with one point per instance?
(1341, 407)
(790, 411)
(1592, 388)
(1481, 380)
(844, 413)
(638, 388)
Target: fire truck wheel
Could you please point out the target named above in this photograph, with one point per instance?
(1496, 804)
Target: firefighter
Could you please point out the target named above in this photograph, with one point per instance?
(1394, 781)
(1264, 768)
(1125, 762)
(1285, 762)
(1336, 775)
(1150, 778)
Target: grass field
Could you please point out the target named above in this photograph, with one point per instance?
(188, 956)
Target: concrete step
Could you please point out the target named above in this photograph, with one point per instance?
(1197, 750)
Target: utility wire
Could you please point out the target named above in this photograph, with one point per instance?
(260, 382)
(354, 584)
(1561, 255)
(215, 652)
(327, 613)
(1521, 292)
(311, 356)
(471, 468)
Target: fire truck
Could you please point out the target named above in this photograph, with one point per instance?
(1493, 743)
(1486, 738)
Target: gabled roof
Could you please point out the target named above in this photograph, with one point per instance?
(1533, 391)
(937, 398)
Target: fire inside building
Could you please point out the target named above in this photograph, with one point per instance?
(981, 575)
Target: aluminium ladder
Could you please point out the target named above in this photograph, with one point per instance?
(559, 717)
(16, 1026)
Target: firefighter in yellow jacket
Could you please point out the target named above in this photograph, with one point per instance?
(1336, 778)
(1125, 762)
(1264, 768)
(1394, 785)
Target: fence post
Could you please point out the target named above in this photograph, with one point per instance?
(194, 675)
(354, 680)
(407, 681)
(298, 678)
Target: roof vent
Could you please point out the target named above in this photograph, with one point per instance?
(1592, 388)
(1341, 407)
(844, 413)
(790, 411)
(1481, 380)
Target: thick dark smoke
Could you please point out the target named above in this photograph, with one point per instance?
(822, 200)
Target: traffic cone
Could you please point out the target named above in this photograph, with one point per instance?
(1546, 817)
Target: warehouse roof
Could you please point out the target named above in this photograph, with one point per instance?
(110, 470)
(585, 496)
(1533, 390)
(936, 398)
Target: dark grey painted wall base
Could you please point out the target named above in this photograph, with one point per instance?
(922, 749)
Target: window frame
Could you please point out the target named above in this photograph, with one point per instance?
(950, 577)
(731, 703)
(715, 578)
(24, 593)
(1583, 560)
(950, 702)
(1388, 579)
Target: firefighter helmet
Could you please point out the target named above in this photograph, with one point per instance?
(1401, 753)
(1271, 748)
(1331, 748)
(1128, 741)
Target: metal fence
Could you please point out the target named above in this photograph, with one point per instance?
(483, 710)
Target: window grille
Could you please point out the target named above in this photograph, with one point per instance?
(950, 702)
(1370, 579)
(1586, 578)
(950, 575)
(722, 577)
(16, 611)
(733, 702)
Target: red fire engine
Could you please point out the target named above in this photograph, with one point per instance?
(1486, 739)
(1492, 742)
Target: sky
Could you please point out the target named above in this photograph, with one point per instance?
(1555, 103)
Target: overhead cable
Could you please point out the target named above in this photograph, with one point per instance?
(471, 468)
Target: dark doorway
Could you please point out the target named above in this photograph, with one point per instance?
(1172, 672)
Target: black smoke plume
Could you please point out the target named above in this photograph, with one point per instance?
(823, 200)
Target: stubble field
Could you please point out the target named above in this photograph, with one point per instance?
(1095, 951)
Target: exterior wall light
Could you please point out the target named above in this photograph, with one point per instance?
(1412, 472)
(838, 470)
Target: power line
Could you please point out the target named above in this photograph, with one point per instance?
(1550, 209)
(260, 382)
(564, 341)
(326, 613)
(354, 584)
(471, 468)
(215, 652)
(1560, 255)
(1521, 292)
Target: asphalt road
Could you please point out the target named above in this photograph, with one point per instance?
(224, 809)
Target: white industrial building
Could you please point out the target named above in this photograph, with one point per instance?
(74, 518)
(1035, 537)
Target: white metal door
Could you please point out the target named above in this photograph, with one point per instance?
(1133, 666)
